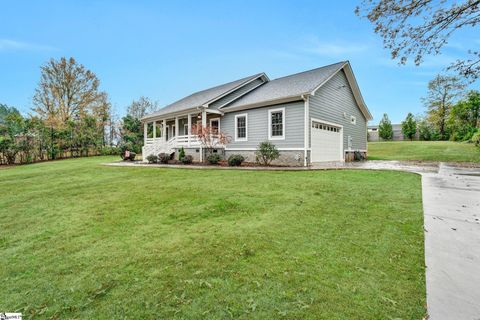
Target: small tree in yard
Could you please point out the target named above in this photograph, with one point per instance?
(266, 153)
(210, 138)
(409, 127)
(385, 130)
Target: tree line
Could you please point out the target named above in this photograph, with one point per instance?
(452, 114)
(71, 117)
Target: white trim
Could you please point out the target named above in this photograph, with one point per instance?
(306, 142)
(265, 103)
(270, 111)
(228, 102)
(213, 119)
(237, 87)
(246, 127)
(254, 149)
(342, 149)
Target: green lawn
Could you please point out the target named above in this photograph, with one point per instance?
(81, 240)
(447, 151)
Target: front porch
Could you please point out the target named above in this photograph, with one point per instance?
(170, 133)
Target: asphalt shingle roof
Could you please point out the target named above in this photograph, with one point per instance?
(199, 98)
(289, 86)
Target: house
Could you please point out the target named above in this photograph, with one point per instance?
(312, 116)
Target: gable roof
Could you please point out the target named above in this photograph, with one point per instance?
(293, 85)
(296, 86)
(284, 89)
(203, 97)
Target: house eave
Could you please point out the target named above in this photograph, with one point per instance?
(266, 103)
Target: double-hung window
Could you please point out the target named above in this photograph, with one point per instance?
(276, 123)
(241, 121)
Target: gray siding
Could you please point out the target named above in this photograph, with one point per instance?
(257, 126)
(236, 94)
(330, 103)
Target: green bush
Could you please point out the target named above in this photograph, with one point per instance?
(266, 153)
(127, 146)
(214, 158)
(163, 157)
(109, 151)
(152, 158)
(187, 159)
(235, 160)
(476, 138)
(181, 154)
(132, 156)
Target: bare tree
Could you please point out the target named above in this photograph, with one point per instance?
(67, 90)
(141, 107)
(210, 138)
(416, 28)
(442, 92)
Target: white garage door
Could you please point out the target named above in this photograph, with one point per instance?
(327, 144)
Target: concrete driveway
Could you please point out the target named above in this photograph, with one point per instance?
(451, 205)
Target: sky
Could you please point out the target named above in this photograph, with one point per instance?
(166, 50)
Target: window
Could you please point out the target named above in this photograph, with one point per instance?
(276, 120)
(185, 129)
(241, 122)
(353, 120)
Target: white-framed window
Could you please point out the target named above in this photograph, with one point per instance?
(276, 124)
(241, 127)
(353, 120)
(185, 129)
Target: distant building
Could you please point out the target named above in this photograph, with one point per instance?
(397, 133)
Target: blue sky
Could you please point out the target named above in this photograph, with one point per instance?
(166, 50)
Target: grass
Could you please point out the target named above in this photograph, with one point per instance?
(81, 240)
(446, 151)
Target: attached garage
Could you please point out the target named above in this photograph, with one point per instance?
(326, 141)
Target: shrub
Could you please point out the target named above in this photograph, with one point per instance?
(235, 160)
(123, 148)
(181, 154)
(187, 159)
(214, 158)
(476, 138)
(152, 158)
(266, 153)
(132, 156)
(163, 157)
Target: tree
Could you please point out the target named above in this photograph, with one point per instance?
(67, 91)
(464, 118)
(426, 131)
(409, 127)
(413, 29)
(385, 130)
(442, 92)
(132, 134)
(210, 138)
(141, 107)
(5, 111)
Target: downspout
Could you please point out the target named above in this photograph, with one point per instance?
(306, 99)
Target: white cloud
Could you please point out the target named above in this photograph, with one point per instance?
(13, 45)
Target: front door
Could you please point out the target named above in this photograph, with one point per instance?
(215, 125)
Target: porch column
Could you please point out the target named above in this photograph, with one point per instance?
(145, 132)
(164, 128)
(204, 118)
(204, 125)
(154, 129)
(176, 126)
(189, 128)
